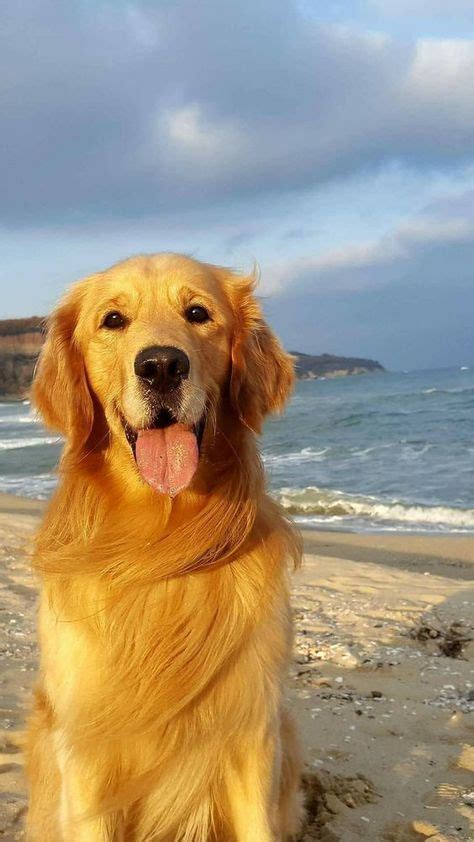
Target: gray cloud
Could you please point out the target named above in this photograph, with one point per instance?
(371, 265)
(406, 299)
(126, 110)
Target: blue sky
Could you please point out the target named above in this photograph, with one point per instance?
(331, 142)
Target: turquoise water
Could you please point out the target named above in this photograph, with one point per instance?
(377, 452)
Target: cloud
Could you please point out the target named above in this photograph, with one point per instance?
(363, 266)
(399, 8)
(129, 110)
(405, 298)
(452, 206)
(192, 144)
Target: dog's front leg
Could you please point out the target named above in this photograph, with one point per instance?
(79, 818)
(252, 786)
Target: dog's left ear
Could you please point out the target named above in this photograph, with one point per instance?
(60, 389)
(262, 374)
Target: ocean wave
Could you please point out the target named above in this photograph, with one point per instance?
(298, 457)
(459, 390)
(412, 452)
(38, 487)
(19, 444)
(355, 451)
(313, 502)
(28, 419)
(407, 397)
(20, 419)
(406, 450)
(355, 418)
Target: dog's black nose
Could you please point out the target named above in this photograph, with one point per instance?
(162, 367)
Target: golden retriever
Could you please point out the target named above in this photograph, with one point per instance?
(165, 626)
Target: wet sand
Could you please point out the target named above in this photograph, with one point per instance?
(386, 718)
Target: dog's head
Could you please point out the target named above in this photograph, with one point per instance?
(150, 354)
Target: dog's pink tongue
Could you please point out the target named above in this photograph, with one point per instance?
(167, 459)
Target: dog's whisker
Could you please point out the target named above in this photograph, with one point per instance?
(95, 447)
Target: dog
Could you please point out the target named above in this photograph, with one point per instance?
(164, 621)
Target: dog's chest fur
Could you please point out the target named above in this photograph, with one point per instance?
(121, 663)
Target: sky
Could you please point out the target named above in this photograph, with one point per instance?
(330, 142)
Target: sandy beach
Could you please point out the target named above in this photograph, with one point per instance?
(384, 709)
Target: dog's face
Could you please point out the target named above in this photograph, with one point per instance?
(160, 342)
(156, 343)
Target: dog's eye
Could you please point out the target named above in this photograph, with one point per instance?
(114, 320)
(197, 314)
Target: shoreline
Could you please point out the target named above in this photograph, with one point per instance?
(385, 717)
(12, 503)
(312, 535)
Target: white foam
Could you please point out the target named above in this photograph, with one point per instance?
(28, 419)
(18, 444)
(410, 453)
(299, 457)
(354, 451)
(20, 419)
(39, 486)
(457, 390)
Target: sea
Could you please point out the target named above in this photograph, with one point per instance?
(384, 452)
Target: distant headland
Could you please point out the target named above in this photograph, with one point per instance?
(310, 367)
(21, 341)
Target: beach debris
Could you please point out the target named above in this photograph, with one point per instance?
(424, 632)
(425, 829)
(451, 638)
(468, 798)
(322, 682)
(328, 795)
(452, 698)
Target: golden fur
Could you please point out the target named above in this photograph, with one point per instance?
(165, 627)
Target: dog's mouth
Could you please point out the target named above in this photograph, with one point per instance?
(166, 451)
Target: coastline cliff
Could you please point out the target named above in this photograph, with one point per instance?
(310, 367)
(21, 341)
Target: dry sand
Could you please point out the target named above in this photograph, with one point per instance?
(386, 720)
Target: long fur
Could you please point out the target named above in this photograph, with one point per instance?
(165, 627)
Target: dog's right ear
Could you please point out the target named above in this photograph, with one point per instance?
(262, 374)
(60, 389)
